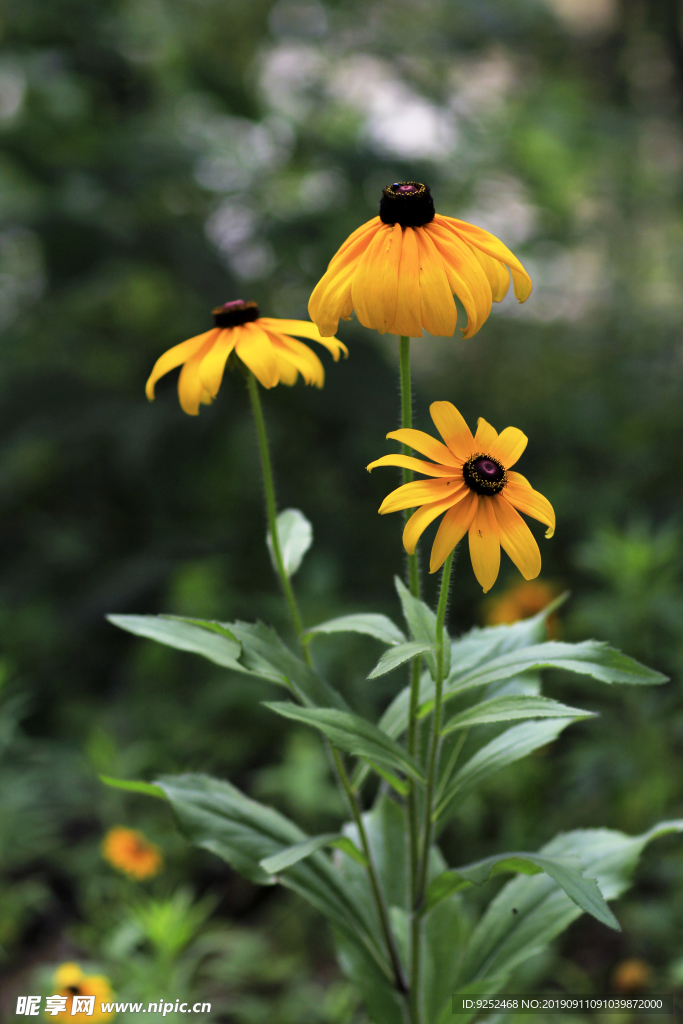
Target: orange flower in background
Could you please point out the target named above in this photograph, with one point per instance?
(264, 345)
(632, 975)
(473, 485)
(400, 271)
(70, 982)
(521, 602)
(130, 852)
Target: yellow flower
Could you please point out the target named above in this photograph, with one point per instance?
(400, 270)
(475, 489)
(69, 980)
(263, 344)
(130, 852)
(632, 976)
(521, 602)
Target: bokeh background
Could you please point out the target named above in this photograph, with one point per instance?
(162, 156)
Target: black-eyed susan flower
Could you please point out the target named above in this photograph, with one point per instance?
(473, 485)
(400, 270)
(265, 346)
(70, 982)
(130, 852)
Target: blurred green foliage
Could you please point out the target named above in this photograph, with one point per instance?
(162, 156)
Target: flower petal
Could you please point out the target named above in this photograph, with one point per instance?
(485, 544)
(492, 246)
(420, 520)
(485, 437)
(521, 495)
(408, 462)
(453, 429)
(452, 529)
(331, 297)
(303, 329)
(191, 391)
(374, 290)
(497, 274)
(254, 348)
(437, 308)
(509, 445)
(175, 356)
(516, 538)
(213, 364)
(465, 275)
(420, 492)
(425, 444)
(408, 321)
(300, 357)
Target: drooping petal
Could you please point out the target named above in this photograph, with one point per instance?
(420, 520)
(465, 274)
(175, 356)
(254, 348)
(300, 357)
(521, 495)
(420, 492)
(286, 370)
(497, 274)
(452, 529)
(408, 321)
(331, 297)
(374, 290)
(408, 462)
(492, 246)
(425, 444)
(191, 391)
(485, 437)
(485, 544)
(453, 429)
(516, 538)
(437, 308)
(508, 446)
(213, 364)
(303, 329)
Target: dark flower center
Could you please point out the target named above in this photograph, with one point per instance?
(484, 475)
(73, 990)
(408, 203)
(232, 314)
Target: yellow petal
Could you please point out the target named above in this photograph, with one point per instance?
(420, 520)
(420, 492)
(465, 275)
(175, 356)
(485, 544)
(453, 429)
(331, 297)
(485, 437)
(521, 494)
(374, 290)
(452, 529)
(298, 356)
(67, 974)
(408, 462)
(508, 446)
(424, 443)
(287, 371)
(497, 274)
(254, 348)
(492, 246)
(303, 329)
(212, 366)
(191, 391)
(516, 538)
(408, 320)
(437, 308)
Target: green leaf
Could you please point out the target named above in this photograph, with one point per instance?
(443, 886)
(510, 746)
(529, 912)
(505, 709)
(148, 788)
(378, 626)
(397, 656)
(422, 624)
(293, 854)
(401, 787)
(353, 734)
(295, 534)
(348, 847)
(184, 635)
(217, 817)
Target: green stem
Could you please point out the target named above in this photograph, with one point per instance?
(436, 728)
(271, 514)
(452, 761)
(407, 421)
(399, 976)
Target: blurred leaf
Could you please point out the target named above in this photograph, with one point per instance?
(147, 788)
(295, 534)
(274, 865)
(505, 709)
(378, 626)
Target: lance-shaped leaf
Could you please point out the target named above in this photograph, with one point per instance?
(295, 534)
(293, 854)
(567, 872)
(506, 709)
(353, 734)
(185, 635)
(529, 912)
(397, 656)
(370, 623)
(133, 786)
(218, 817)
(422, 623)
(510, 746)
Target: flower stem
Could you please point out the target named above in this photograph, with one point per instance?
(407, 421)
(436, 728)
(271, 514)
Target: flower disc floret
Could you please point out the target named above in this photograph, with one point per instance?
(263, 344)
(401, 270)
(469, 482)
